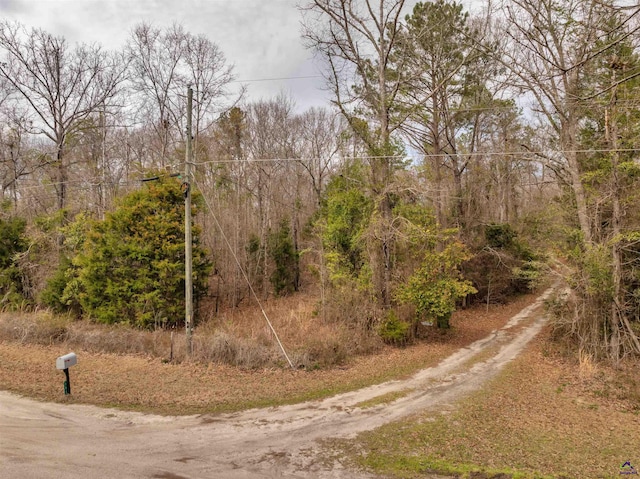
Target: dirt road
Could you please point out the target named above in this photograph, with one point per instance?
(42, 440)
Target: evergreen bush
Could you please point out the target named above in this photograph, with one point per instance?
(130, 266)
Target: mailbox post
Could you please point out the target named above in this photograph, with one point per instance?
(64, 363)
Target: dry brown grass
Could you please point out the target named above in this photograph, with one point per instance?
(34, 328)
(618, 385)
(309, 340)
(44, 328)
(146, 381)
(240, 337)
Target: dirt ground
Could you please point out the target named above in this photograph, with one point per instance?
(76, 441)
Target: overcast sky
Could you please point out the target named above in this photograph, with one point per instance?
(261, 38)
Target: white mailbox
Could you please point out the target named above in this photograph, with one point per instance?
(66, 361)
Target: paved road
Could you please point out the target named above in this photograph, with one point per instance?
(49, 441)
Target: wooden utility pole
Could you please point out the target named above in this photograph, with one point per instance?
(188, 275)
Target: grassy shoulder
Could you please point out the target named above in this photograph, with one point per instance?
(544, 416)
(142, 383)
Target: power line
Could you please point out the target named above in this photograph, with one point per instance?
(99, 181)
(630, 104)
(425, 155)
(255, 80)
(293, 159)
(85, 183)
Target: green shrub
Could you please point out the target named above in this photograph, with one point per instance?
(503, 236)
(393, 330)
(343, 218)
(436, 286)
(12, 243)
(529, 274)
(499, 235)
(130, 268)
(284, 277)
(53, 295)
(504, 266)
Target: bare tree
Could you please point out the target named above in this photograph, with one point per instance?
(14, 153)
(552, 45)
(574, 58)
(271, 137)
(207, 71)
(164, 63)
(155, 62)
(60, 86)
(319, 134)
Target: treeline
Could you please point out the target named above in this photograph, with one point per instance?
(460, 152)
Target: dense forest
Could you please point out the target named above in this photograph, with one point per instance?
(464, 158)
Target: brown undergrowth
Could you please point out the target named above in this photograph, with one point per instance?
(132, 370)
(239, 337)
(616, 384)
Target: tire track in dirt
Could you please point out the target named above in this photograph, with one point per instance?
(42, 440)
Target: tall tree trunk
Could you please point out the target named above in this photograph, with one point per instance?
(386, 172)
(437, 155)
(364, 34)
(569, 141)
(459, 210)
(569, 146)
(616, 309)
(62, 175)
(620, 326)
